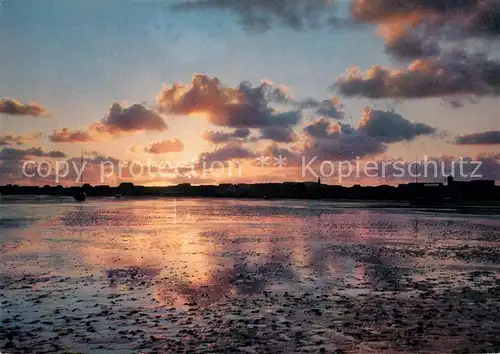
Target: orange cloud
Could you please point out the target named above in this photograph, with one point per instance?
(14, 107)
(165, 146)
(454, 74)
(65, 135)
(218, 137)
(242, 107)
(118, 121)
(12, 139)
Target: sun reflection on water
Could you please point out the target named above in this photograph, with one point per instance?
(201, 251)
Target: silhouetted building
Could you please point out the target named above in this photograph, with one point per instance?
(449, 180)
(474, 190)
(423, 193)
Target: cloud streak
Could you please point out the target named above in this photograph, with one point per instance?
(491, 137)
(66, 135)
(278, 134)
(20, 154)
(118, 121)
(15, 108)
(329, 108)
(258, 16)
(12, 139)
(165, 146)
(228, 152)
(218, 137)
(391, 10)
(390, 127)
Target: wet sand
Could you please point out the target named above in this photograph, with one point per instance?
(160, 276)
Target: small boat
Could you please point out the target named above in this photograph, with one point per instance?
(80, 196)
(119, 196)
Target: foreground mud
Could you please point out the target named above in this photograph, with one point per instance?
(340, 282)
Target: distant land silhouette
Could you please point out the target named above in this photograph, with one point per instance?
(417, 193)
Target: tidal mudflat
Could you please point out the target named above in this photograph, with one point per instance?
(208, 275)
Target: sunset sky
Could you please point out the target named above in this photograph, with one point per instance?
(233, 79)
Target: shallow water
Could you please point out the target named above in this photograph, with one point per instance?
(126, 275)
